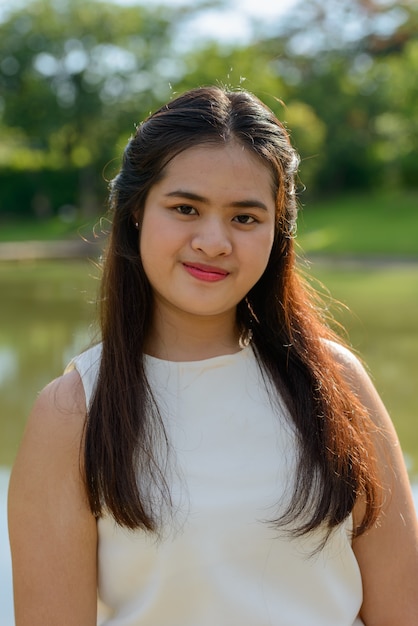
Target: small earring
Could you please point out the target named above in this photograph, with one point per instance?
(136, 225)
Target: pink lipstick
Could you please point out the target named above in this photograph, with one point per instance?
(207, 273)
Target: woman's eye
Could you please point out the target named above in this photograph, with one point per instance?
(185, 209)
(245, 219)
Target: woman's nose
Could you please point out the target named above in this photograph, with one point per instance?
(212, 238)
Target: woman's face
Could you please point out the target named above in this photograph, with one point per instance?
(207, 230)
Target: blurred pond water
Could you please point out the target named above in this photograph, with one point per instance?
(46, 317)
(46, 310)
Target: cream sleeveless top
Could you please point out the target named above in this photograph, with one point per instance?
(231, 468)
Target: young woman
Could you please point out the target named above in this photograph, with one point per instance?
(219, 458)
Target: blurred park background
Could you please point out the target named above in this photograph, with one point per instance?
(76, 76)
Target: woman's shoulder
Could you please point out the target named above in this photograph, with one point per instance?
(356, 376)
(341, 353)
(59, 409)
(351, 367)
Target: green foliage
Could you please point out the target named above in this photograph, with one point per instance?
(353, 63)
(66, 64)
(30, 192)
(76, 75)
(308, 133)
(396, 128)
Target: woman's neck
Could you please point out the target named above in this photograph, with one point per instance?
(194, 338)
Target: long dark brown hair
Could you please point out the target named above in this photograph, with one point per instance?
(125, 442)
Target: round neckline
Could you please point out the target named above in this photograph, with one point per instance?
(207, 361)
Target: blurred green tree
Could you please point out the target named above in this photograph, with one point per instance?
(396, 127)
(73, 74)
(351, 63)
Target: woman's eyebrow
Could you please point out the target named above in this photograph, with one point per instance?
(249, 204)
(182, 193)
(239, 204)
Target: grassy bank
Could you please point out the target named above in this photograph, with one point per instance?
(51, 229)
(383, 223)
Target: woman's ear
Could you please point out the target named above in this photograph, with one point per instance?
(135, 221)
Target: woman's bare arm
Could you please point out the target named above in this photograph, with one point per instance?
(52, 532)
(388, 553)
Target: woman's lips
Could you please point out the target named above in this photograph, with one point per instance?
(205, 272)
